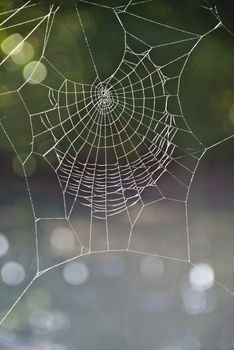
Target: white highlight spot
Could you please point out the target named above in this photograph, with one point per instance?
(194, 302)
(35, 72)
(62, 240)
(75, 273)
(13, 274)
(11, 42)
(18, 168)
(43, 321)
(4, 245)
(24, 55)
(201, 277)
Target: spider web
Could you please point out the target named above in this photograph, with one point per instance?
(117, 146)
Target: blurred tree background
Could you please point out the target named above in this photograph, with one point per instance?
(206, 90)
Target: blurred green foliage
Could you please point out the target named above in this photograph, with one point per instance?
(207, 84)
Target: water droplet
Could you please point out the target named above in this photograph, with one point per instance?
(35, 72)
(13, 274)
(75, 273)
(201, 277)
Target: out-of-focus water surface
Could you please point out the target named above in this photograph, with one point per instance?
(125, 300)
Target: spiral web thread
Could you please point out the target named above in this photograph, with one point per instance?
(125, 126)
